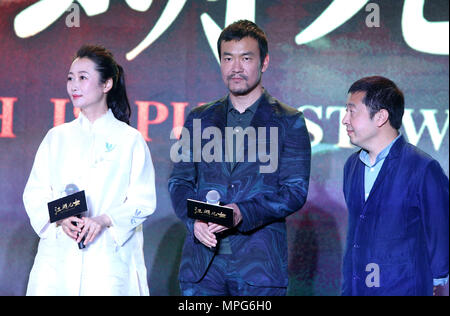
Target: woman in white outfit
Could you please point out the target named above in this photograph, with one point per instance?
(101, 154)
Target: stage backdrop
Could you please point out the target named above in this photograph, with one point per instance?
(317, 49)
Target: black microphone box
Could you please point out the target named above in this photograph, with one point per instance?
(210, 213)
(67, 206)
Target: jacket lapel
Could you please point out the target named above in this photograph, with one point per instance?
(388, 166)
(264, 112)
(357, 185)
(261, 118)
(218, 118)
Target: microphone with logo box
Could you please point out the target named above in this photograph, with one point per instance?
(71, 189)
(213, 198)
(73, 204)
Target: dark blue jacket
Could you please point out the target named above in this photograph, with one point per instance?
(403, 227)
(265, 199)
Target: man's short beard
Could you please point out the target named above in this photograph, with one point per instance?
(247, 89)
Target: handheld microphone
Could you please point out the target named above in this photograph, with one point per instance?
(213, 197)
(71, 189)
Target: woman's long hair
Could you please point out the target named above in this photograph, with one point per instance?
(117, 99)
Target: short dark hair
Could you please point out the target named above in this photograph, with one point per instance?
(244, 28)
(381, 93)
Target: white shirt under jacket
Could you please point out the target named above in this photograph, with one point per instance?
(112, 163)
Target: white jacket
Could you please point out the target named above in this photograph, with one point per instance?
(112, 163)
